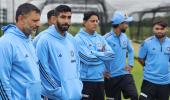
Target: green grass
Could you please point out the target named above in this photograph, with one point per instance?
(137, 73)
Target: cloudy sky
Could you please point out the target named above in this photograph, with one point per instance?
(127, 6)
(136, 5)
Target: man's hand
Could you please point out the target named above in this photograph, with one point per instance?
(102, 49)
(141, 61)
(107, 74)
(128, 68)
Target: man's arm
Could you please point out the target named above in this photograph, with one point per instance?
(142, 54)
(86, 55)
(106, 53)
(48, 82)
(130, 54)
(5, 70)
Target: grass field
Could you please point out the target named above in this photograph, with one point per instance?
(137, 70)
(137, 74)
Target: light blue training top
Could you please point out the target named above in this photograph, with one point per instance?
(157, 57)
(92, 56)
(19, 70)
(122, 47)
(59, 65)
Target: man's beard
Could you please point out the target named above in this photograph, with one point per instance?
(160, 36)
(63, 27)
(29, 31)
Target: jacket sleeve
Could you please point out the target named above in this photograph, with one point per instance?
(142, 51)
(107, 54)
(5, 70)
(86, 55)
(50, 86)
(130, 53)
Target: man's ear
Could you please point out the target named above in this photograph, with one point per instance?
(21, 18)
(53, 19)
(83, 23)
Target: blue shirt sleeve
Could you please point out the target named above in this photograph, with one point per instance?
(86, 55)
(130, 53)
(48, 82)
(6, 57)
(142, 51)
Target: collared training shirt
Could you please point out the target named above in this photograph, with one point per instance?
(121, 46)
(92, 59)
(157, 57)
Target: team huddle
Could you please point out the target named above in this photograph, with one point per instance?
(54, 65)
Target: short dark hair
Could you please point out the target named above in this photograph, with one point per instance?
(88, 14)
(24, 9)
(50, 13)
(160, 22)
(61, 8)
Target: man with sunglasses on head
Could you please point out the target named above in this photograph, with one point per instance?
(118, 75)
(93, 52)
(154, 55)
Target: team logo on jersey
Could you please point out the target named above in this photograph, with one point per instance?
(72, 53)
(124, 42)
(99, 46)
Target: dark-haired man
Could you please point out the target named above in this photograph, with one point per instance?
(50, 17)
(154, 55)
(93, 52)
(59, 61)
(19, 70)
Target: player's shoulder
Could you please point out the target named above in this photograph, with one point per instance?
(148, 40)
(107, 35)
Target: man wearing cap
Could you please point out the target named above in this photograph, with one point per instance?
(118, 76)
